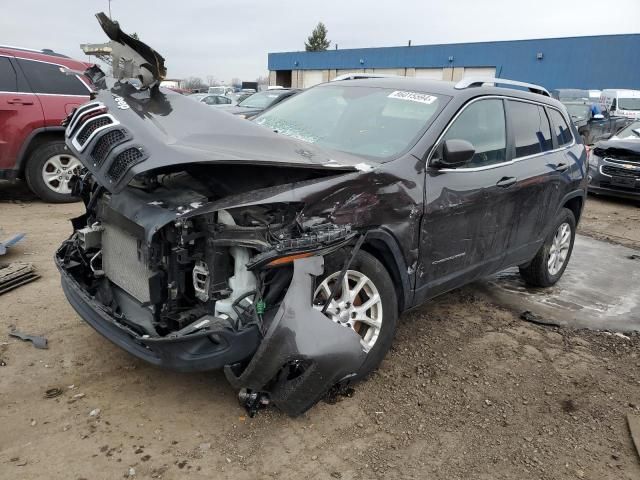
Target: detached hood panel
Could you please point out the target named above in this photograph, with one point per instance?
(125, 132)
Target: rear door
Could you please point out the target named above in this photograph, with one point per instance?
(468, 210)
(59, 93)
(20, 112)
(535, 168)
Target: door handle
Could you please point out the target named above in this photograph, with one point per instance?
(505, 182)
(19, 101)
(561, 167)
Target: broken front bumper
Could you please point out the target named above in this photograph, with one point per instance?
(200, 351)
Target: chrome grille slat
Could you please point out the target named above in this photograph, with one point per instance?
(88, 130)
(80, 111)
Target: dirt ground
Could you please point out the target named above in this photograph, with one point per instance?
(468, 391)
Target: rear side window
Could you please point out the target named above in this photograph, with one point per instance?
(561, 129)
(531, 130)
(49, 78)
(483, 125)
(8, 79)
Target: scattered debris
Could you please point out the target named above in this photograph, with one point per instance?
(16, 274)
(529, 316)
(634, 256)
(95, 412)
(3, 363)
(10, 242)
(53, 392)
(634, 428)
(38, 341)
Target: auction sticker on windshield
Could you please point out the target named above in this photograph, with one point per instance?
(413, 96)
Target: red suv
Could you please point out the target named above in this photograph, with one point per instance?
(35, 96)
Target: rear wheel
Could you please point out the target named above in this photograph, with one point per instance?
(551, 260)
(49, 170)
(366, 302)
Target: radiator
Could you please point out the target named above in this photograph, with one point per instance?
(122, 264)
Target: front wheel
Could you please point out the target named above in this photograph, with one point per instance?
(549, 264)
(49, 170)
(366, 302)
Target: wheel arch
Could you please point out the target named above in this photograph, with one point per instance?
(36, 139)
(574, 202)
(383, 246)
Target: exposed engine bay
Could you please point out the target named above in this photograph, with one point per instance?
(205, 237)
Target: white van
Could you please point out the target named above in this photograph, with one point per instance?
(625, 103)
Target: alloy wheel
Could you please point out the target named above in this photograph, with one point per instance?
(559, 249)
(358, 305)
(57, 172)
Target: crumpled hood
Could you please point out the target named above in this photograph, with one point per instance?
(162, 128)
(619, 146)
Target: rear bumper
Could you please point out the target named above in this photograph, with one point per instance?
(200, 351)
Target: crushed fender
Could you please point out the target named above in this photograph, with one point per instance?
(304, 354)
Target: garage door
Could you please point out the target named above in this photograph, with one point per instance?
(311, 78)
(429, 73)
(390, 71)
(352, 70)
(479, 72)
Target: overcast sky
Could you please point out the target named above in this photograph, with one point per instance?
(232, 38)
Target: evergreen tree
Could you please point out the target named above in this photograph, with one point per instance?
(318, 41)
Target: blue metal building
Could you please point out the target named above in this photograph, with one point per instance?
(595, 62)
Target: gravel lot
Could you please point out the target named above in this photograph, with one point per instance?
(468, 391)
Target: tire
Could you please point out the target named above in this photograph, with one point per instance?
(368, 265)
(50, 158)
(538, 272)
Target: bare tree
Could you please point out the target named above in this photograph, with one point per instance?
(193, 83)
(211, 80)
(236, 82)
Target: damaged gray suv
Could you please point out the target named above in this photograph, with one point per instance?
(283, 250)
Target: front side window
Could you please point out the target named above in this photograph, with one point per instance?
(8, 79)
(374, 122)
(531, 130)
(561, 129)
(48, 78)
(483, 125)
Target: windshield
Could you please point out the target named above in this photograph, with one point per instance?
(375, 122)
(630, 131)
(217, 90)
(629, 103)
(261, 100)
(578, 112)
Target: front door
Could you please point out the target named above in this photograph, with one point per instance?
(468, 210)
(20, 113)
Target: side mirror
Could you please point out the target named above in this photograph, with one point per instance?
(454, 153)
(598, 116)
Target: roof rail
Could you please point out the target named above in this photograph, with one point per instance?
(46, 51)
(359, 75)
(479, 81)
